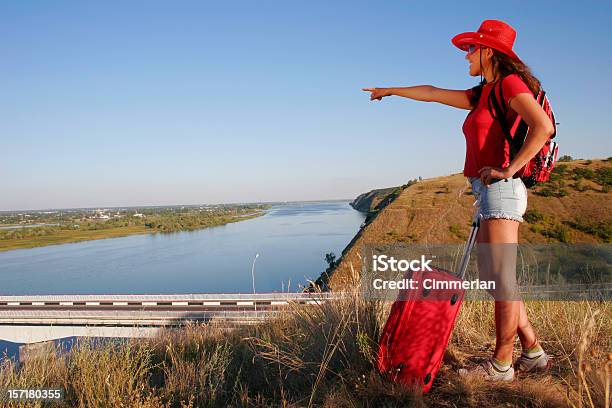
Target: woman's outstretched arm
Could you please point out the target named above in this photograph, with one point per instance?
(425, 93)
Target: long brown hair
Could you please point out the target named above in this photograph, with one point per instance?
(504, 65)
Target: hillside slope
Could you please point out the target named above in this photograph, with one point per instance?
(366, 202)
(575, 206)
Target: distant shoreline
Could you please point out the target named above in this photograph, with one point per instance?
(74, 236)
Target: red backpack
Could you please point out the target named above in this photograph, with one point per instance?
(540, 166)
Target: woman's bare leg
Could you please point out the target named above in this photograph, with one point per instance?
(525, 330)
(506, 324)
(510, 315)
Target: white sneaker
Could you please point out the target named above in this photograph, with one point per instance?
(488, 371)
(528, 364)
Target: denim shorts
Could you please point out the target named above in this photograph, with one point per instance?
(506, 198)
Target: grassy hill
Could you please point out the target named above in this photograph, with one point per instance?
(574, 207)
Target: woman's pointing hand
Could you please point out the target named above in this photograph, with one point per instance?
(377, 93)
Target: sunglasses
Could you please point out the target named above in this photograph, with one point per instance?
(472, 48)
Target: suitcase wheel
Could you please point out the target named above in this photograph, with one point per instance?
(454, 299)
(427, 378)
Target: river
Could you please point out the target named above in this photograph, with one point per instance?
(291, 240)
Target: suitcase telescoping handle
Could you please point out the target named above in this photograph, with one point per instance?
(465, 258)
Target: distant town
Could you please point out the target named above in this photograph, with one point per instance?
(25, 218)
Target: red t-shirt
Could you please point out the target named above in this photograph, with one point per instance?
(485, 141)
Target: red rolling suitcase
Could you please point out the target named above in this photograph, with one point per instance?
(419, 326)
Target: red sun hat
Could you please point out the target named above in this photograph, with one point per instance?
(493, 34)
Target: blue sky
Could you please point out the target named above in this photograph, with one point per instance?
(154, 103)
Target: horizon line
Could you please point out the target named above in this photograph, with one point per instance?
(172, 205)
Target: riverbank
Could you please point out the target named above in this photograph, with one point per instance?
(56, 236)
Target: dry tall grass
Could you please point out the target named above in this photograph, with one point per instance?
(323, 355)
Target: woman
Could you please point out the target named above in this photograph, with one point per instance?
(502, 196)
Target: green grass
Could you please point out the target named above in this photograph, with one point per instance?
(456, 231)
(70, 236)
(557, 232)
(580, 173)
(603, 176)
(533, 216)
(602, 230)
